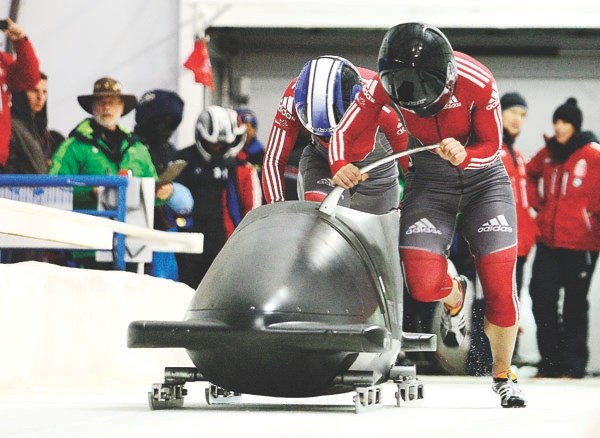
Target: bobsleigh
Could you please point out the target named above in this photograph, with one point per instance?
(301, 301)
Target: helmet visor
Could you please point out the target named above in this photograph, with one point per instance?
(412, 88)
(424, 92)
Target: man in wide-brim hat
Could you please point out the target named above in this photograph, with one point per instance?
(107, 103)
(99, 146)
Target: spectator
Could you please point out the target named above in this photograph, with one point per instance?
(157, 116)
(16, 75)
(253, 150)
(308, 103)
(566, 172)
(31, 149)
(450, 99)
(99, 146)
(224, 187)
(31, 143)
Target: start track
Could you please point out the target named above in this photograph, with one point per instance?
(453, 406)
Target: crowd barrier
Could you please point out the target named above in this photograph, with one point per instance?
(49, 190)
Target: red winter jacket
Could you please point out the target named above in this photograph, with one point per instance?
(16, 75)
(515, 167)
(566, 193)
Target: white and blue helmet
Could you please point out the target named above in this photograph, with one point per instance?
(325, 88)
(219, 126)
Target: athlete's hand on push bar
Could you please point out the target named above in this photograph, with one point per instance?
(348, 176)
(451, 150)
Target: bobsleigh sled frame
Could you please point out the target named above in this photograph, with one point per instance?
(172, 392)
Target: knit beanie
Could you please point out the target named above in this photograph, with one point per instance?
(157, 105)
(569, 112)
(509, 100)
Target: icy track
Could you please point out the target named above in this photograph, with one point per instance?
(453, 407)
(65, 371)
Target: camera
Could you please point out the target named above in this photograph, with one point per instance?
(3, 24)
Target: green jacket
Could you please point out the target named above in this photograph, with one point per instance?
(85, 153)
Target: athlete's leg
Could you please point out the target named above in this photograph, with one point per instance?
(491, 230)
(426, 231)
(501, 316)
(490, 227)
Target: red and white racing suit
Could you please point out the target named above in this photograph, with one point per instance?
(377, 195)
(436, 191)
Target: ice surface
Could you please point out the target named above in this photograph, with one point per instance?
(453, 407)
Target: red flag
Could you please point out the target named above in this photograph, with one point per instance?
(199, 63)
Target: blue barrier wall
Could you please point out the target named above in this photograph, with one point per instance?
(18, 182)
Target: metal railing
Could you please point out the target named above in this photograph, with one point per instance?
(118, 182)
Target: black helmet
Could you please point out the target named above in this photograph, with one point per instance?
(417, 68)
(325, 88)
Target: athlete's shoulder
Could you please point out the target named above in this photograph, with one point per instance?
(374, 92)
(472, 72)
(289, 90)
(286, 109)
(475, 83)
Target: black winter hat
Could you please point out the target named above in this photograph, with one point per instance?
(569, 112)
(157, 105)
(509, 100)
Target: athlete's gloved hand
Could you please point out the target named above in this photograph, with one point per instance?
(451, 150)
(348, 176)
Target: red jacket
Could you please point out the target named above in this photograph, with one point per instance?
(286, 127)
(566, 195)
(527, 228)
(16, 75)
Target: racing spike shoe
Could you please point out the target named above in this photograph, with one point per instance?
(453, 327)
(507, 387)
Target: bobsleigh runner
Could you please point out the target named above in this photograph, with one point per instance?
(303, 300)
